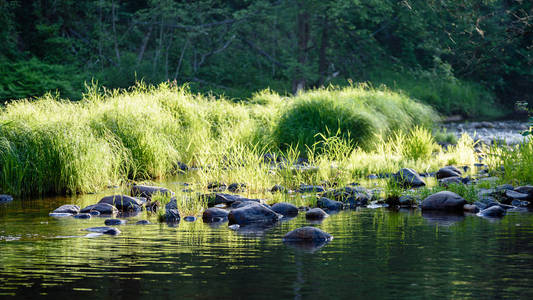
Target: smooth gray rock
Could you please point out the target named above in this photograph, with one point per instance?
(237, 187)
(172, 215)
(307, 234)
(285, 209)
(310, 189)
(526, 189)
(516, 195)
(60, 215)
(448, 171)
(445, 201)
(67, 209)
(104, 230)
(5, 198)
(316, 214)
(102, 208)
(495, 211)
(82, 216)
(450, 180)
(409, 178)
(113, 222)
(123, 202)
(189, 218)
(227, 199)
(148, 191)
(471, 208)
(253, 214)
(329, 204)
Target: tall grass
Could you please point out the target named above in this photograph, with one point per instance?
(513, 164)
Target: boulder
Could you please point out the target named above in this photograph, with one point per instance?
(316, 214)
(102, 208)
(310, 189)
(5, 198)
(285, 209)
(112, 222)
(214, 214)
(526, 189)
(67, 209)
(445, 200)
(495, 211)
(409, 178)
(147, 191)
(123, 202)
(82, 216)
(104, 230)
(448, 171)
(253, 214)
(450, 180)
(513, 195)
(307, 234)
(329, 204)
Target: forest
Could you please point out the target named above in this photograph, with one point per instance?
(473, 58)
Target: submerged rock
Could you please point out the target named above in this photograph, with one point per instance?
(316, 214)
(190, 218)
(111, 222)
(123, 202)
(147, 191)
(329, 204)
(448, 171)
(409, 178)
(102, 208)
(253, 214)
(445, 200)
(67, 209)
(82, 216)
(495, 211)
(307, 234)
(60, 215)
(172, 215)
(104, 230)
(285, 209)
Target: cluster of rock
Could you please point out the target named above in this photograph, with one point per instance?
(501, 132)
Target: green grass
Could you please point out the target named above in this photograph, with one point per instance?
(50, 145)
(517, 163)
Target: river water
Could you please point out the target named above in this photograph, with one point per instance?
(375, 253)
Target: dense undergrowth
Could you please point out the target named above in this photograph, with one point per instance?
(50, 145)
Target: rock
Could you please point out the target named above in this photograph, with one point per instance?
(278, 188)
(217, 186)
(516, 195)
(519, 203)
(60, 215)
(214, 214)
(234, 227)
(237, 187)
(253, 214)
(527, 189)
(328, 204)
(409, 178)
(104, 230)
(492, 212)
(307, 234)
(316, 214)
(450, 180)
(102, 208)
(227, 199)
(5, 198)
(190, 218)
(94, 213)
(470, 208)
(407, 201)
(173, 204)
(143, 222)
(147, 191)
(504, 187)
(445, 200)
(310, 189)
(480, 205)
(448, 171)
(82, 216)
(67, 209)
(285, 209)
(372, 176)
(123, 202)
(112, 222)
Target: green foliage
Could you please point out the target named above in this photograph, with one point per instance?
(516, 161)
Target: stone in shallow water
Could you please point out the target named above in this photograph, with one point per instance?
(445, 200)
(329, 204)
(495, 211)
(82, 216)
(104, 230)
(307, 234)
(102, 208)
(285, 209)
(123, 202)
(516, 195)
(190, 218)
(111, 222)
(67, 208)
(60, 215)
(316, 214)
(143, 222)
(148, 191)
(471, 208)
(253, 214)
(409, 178)
(310, 189)
(448, 171)
(214, 214)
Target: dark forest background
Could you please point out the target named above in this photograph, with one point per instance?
(455, 55)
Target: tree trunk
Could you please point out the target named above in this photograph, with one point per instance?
(144, 44)
(113, 16)
(303, 29)
(322, 59)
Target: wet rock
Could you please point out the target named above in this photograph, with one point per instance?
(492, 212)
(253, 214)
(94, 213)
(67, 209)
(227, 199)
(504, 187)
(445, 200)
(450, 180)
(470, 208)
(214, 214)
(82, 216)
(234, 227)
(329, 204)
(278, 189)
(407, 201)
(480, 205)
(190, 218)
(172, 215)
(5, 198)
(237, 187)
(409, 178)
(60, 215)
(448, 171)
(307, 234)
(217, 186)
(143, 222)
(147, 191)
(316, 214)
(102, 208)
(519, 203)
(104, 230)
(526, 189)
(123, 202)
(310, 189)
(113, 222)
(516, 195)
(285, 209)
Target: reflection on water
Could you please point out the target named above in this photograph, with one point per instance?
(375, 253)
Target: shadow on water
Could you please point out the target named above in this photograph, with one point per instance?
(442, 218)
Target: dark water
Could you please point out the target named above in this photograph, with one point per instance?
(375, 253)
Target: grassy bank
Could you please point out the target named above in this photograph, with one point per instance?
(57, 146)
